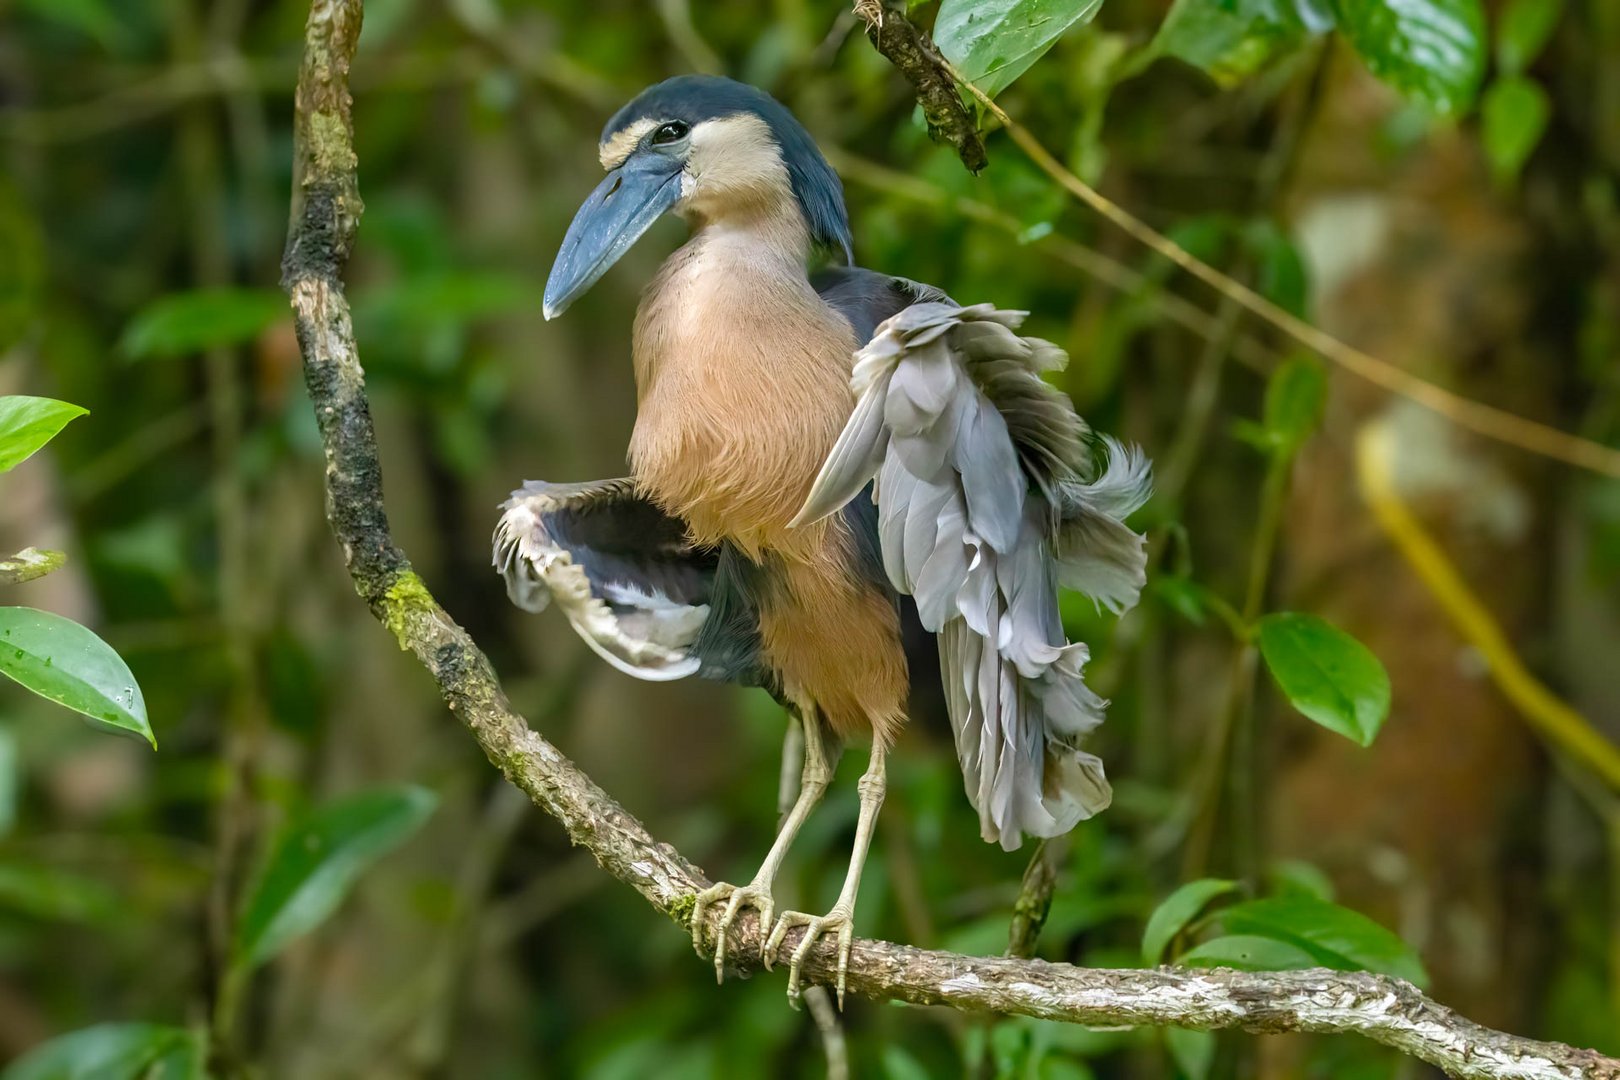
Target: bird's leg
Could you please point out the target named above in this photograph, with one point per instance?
(813, 780)
(842, 916)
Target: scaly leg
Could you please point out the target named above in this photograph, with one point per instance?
(817, 773)
(842, 915)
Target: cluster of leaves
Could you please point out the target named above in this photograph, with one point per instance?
(54, 657)
(309, 867)
(1433, 52)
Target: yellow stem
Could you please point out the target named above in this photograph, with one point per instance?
(1549, 715)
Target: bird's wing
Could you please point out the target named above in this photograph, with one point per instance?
(986, 503)
(621, 569)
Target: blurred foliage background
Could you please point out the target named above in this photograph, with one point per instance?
(1459, 218)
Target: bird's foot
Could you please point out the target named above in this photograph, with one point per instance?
(756, 894)
(841, 918)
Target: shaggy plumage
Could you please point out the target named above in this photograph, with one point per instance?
(825, 467)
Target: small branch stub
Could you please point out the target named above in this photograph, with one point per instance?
(326, 212)
(909, 48)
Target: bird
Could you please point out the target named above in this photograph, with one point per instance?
(829, 462)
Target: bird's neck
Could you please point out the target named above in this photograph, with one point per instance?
(742, 376)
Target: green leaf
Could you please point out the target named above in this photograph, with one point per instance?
(29, 564)
(445, 297)
(47, 892)
(993, 42)
(114, 1052)
(28, 423)
(93, 18)
(185, 323)
(1248, 952)
(22, 261)
(1228, 39)
(1280, 274)
(60, 660)
(1514, 116)
(1431, 51)
(1522, 30)
(1334, 936)
(898, 1064)
(1296, 876)
(1295, 396)
(1193, 1051)
(10, 781)
(1176, 911)
(1183, 596)
(1326, 674)
(315, 862)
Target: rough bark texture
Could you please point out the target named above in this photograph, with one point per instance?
(326, 212)
(912, 52)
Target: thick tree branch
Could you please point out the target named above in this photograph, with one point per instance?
(910, 49)
(326, 212)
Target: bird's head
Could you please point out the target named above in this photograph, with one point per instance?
(707, 148)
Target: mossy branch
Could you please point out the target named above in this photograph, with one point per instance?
(913, 53)
(326, 212)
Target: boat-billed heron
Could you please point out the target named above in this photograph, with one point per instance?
(826, 462)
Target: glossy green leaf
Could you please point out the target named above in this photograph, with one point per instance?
(185, 323)
(1248, 952)
(1513, 118)
(1523, 29)
(992, 42)
(48, 892)
(1295, 396)
(60, 660)
(1431, 51)
(315, 862)
(1334, 936)
(1177, 910)
(1326, 674)
(28, 423)
(114, 1052)
(1228, 39)
(1193, 1051)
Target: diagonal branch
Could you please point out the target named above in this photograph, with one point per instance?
(326, 213)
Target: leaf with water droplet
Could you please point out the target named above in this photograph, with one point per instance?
(60, 660)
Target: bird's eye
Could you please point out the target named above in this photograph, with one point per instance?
(674, 131)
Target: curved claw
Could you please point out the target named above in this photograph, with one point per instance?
(755, 893)
(840, 918)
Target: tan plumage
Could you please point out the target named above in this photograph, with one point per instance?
(742, 377)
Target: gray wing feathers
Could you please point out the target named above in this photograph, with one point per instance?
(983, 510)
(616, 566)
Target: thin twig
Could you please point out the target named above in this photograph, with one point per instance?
(1116, 275)
(327, 210)
(818, 999)
(1034, 901)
